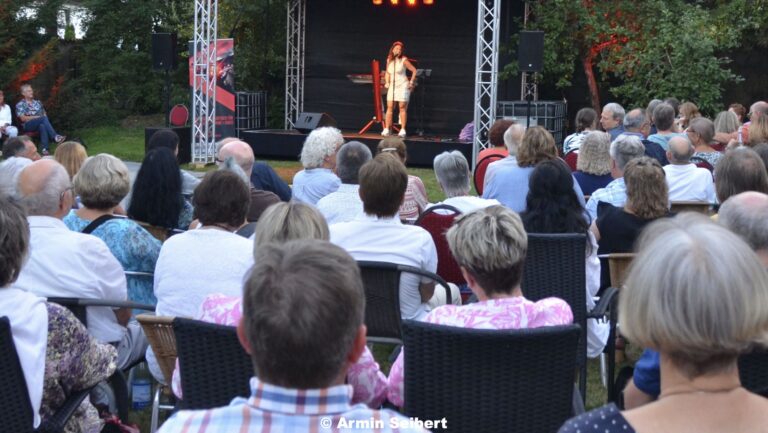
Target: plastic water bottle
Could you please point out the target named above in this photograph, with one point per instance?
(141, 387)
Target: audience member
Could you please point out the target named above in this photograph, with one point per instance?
(586, 122)
(379, 235)
(740, 170)
(756, 110)
(509, 184)
(612, 119)
(9, 175)
(415, 200)
(726, 127)
(34, 118)
(688, 112)
(689, 272)
(64, 263)
(170, 140)
(71, 155)
(243, 156)
(156, 198)
(489, 245)
(210, 259)
(701, 132)
(758, 131)
(263, 176)
(318, 156)
(57, 355)
(101, 183)
(685, 181)
(664, 119)
(762, 150)
(344, 204)
(22, 147)
(302, 324)
(647, 199)
(674, 103)
(552, 207)
(622, 150)
(649, 114)
(513, 136)
(452, 173)
(636, 124)
(739, 110)
(496, 139)
(593, 169)
(6, 120)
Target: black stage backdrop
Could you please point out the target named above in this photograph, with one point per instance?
(343, 36)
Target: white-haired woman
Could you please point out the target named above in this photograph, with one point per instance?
(593, 169)
(698, 295)
(452, 173)
(318, 156)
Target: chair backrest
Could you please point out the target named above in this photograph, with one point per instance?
(479, 174)
(214, 367)
(556, 266)
(490, 380)
(618, 264)
(74, 306)
(179, 115)
(702, 207)
(381, 281)
(160, 233)
(15, 406)
(572, 158)
(437, 223)
(159, 332)
(753, 371)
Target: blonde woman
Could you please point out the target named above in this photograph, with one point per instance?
(71, 155)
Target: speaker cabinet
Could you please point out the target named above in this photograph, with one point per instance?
(530, 55)
(306, 122)
(164, 51)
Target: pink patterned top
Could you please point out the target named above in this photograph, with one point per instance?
(368, 382)
(507, 313)
(415, 200)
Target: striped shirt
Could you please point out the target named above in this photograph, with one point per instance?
(275, 409)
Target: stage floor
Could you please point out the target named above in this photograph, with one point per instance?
(286, 144)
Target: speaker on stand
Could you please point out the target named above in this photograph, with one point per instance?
(164, 59)
(530, 59)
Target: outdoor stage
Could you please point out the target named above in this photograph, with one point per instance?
(282, 144)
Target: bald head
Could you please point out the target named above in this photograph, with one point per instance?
(759, 108)
(680, 150)
(513, 136)
(42, 188)
(744, 214)
(241, 152)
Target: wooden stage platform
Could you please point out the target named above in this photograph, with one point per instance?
(286, 144)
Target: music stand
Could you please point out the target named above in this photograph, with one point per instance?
(378, 116)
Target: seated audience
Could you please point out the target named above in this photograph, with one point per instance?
(593, 169)
(513, 136)
(415, 200)
(170, 140)
(452, 173)
(586, 122)
(6, 120)
(635, 123)
(552, 207)
(758, 131)
(647, 199)
(490, 245)
(378, 235)
(318, 156)
(622, 151)
(762, 150)
(56, 353)
(156, 198)
(64, 263)
(302, 324)
(34, 118)
(756, 111)
(243, 156)
(509, 184)
(664, 119)
(740, 170)
(210, 259)
(649, 115)
(739, 110)
(263, 176)
(687, 182)
(698, 296)
(22, 147)
(726, 127)
(688, 112)
(9, 175)
(101, 183)
(701, 132)
(496, 139)
(612, 119)
(71, 155)
(344, 204)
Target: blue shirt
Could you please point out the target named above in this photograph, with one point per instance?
(615, 132)
(614, 193)
(646, 375)
(509, 185)
(132, 246)
(263, 177)
(312, 184)
(663, 139)
(589, 183)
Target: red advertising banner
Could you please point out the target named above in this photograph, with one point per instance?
(225, 86)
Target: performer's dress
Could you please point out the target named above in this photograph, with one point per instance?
(398, 81)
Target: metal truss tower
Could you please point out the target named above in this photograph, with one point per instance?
(486, 71)
(294, 61)
(204, 82)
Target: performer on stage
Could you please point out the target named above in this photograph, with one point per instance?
(398, 86)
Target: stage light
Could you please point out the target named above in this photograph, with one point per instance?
(429, 2)
(378, 2)
(411, 2)
(394, 2)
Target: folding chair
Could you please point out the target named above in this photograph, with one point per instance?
(159, 332)
(479, 173)
(437, 220)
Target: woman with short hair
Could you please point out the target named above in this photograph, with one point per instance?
(452, 173)
(318, 157)
(415, 200)
(697, 294)
(593, 168)
(102, 182)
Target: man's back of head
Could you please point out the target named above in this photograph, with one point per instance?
(745, 215)
(624, 149)
(44, 189)
(164, 138)
(13, 146)
(383, 181)
(351, 157)
(303, 308)
(758, 109)
(680, 150)
(242, 154)
(635, 121)
(664, 117)
(513, 136)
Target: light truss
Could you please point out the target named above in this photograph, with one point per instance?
(294, 61)
(486, 71)
(204, 82)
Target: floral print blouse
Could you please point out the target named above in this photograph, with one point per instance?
(74, 361)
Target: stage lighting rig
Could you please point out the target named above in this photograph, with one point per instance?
(407, 2)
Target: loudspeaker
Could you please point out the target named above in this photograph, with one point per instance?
(530, 55)
(306, 122)
(164, 51)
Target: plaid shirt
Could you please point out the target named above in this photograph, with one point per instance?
(275, 409)
(614, 193)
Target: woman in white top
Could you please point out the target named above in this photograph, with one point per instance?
(398, 86)
(6, 121)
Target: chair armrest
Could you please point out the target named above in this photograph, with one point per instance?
(56, 422)
(80, 302)
(422, 273)
(601, 308)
